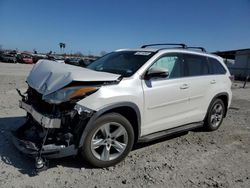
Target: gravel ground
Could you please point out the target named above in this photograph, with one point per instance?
(193, 159)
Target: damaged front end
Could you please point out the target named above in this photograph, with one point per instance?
(55, 122)
(50, 130)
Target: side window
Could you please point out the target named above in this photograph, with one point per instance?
(171, 62)
(216, 67)
(195, 65)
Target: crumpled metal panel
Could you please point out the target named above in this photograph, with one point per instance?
(48, 76)
(41, 119)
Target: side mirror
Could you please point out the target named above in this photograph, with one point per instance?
(156, 72)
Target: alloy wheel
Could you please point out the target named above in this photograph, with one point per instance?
(109, 141)
(216, 115)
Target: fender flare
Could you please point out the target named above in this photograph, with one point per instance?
(105, 109)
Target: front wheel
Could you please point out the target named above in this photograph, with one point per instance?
(215, 115)
(109, 141)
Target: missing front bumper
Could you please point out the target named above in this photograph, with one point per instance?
(40, 139)
(49, 151)
(53, 152)
(50, 135)
(46, 122)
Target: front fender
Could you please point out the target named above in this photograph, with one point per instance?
(102, 111)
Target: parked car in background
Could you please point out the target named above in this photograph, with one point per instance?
(88, 62)
(72, 61)
(57, 58)
(8, 58)
(75, 61)
(78, 61)
(37, 57)
(24, 58)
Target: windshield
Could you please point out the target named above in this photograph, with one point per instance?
(125, 63)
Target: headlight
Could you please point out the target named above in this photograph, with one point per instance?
(68, 93)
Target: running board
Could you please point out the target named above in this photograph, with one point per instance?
(171, 131)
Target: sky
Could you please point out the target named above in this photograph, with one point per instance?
(92, 26)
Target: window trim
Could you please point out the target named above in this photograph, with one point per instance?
(182, 54)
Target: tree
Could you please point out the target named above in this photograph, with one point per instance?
(62, 46)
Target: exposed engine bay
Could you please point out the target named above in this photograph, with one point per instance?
(50, 130)
(55, 121)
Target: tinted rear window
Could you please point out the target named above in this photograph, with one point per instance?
(216, 67)
(195, 65)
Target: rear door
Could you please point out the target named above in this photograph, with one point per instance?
(219, 81)
(199, 80)
(166, 99)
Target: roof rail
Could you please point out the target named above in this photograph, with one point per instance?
(165, 44)
(199, 48)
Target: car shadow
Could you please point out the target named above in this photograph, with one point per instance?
(8, 153)
(156, 141)
(26, 165)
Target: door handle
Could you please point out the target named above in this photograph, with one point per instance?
(184, 86)
(212, 82)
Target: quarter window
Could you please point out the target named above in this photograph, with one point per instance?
(216, 67)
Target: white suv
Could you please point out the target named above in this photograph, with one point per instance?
(125, 97)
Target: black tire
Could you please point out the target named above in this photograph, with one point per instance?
(209, 124)
(87, 150)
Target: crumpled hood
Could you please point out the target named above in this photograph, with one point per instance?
(48, 76)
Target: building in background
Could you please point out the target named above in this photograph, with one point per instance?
(238, 62)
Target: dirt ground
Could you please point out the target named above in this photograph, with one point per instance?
(193, 159)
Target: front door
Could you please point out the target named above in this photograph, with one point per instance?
(166, 99)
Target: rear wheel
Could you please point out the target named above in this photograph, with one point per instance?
(109, 141)
(215, 115)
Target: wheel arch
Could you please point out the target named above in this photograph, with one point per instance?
(224, 96)
(128, 109)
